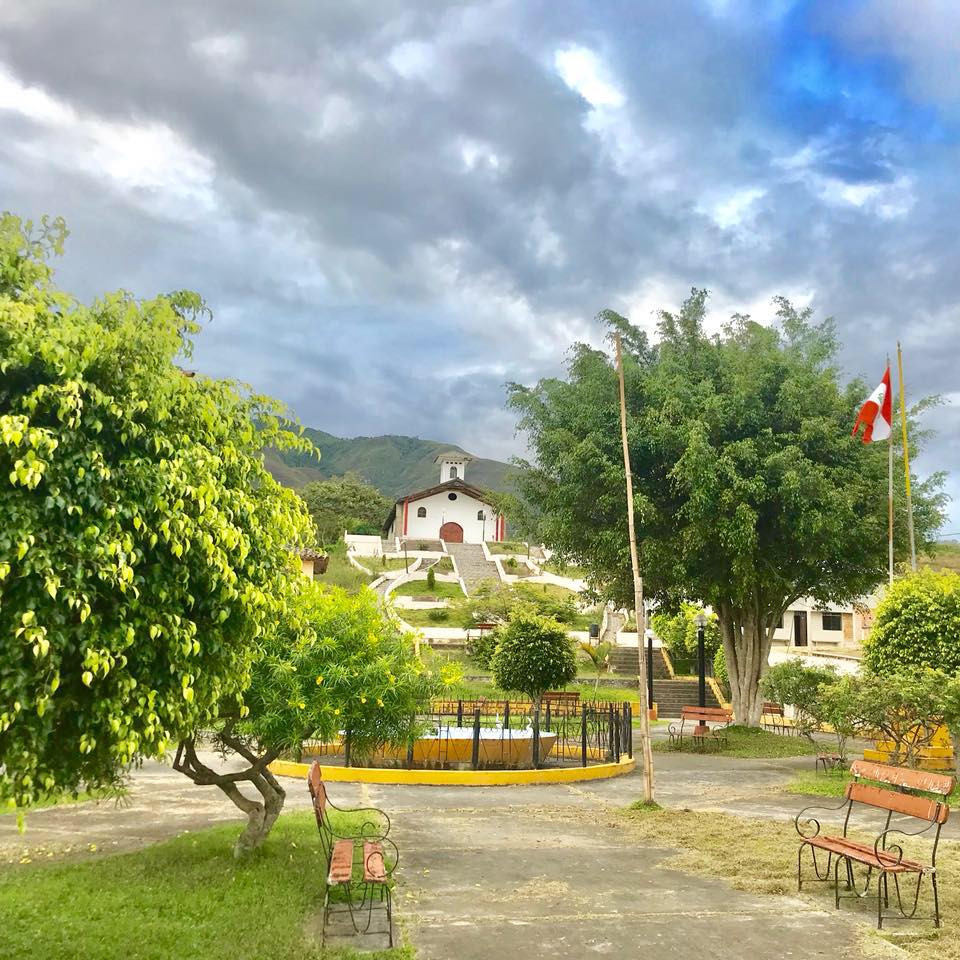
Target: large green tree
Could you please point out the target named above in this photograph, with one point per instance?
(345, 503)
(750, 491)
(144, 548)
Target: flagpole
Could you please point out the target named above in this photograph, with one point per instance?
(890, 497)
(906, 461)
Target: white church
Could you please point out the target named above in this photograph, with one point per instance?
(452, 511)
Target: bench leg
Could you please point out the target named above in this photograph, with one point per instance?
(936, 900)
(390, 915)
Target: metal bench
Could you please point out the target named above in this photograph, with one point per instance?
(701, 731)
(773, 717)
(893, 790)
(561, 702)
(364, 856)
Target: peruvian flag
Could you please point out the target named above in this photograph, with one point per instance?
(876, 414)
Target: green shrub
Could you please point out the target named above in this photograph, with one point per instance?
(431, 579)
(720, 667)
(533, 654)
(480, 648)
(798, 685)
(439, 615)
(917, 625)
(679, 631)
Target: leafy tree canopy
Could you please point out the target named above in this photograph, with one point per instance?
(143, 547)
(678, 631)
(533, 654)
(917, 625)
(345, 503)
(751, 492)
(335, 663)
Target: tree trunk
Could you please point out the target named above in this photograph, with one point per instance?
(746, 646)
(261, 814)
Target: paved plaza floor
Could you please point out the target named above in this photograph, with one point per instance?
(535, 871)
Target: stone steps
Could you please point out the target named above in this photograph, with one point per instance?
(623, 660)
(472, 565)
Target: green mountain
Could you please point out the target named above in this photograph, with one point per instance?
(394, 465)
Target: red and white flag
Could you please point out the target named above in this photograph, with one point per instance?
(876, 414)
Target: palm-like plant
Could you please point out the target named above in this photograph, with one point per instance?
(599, 655)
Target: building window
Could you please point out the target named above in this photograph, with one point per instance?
(832, 621)
(481, 515)
(453, 473)
(421, 512)
(780, 622)
(451, 496)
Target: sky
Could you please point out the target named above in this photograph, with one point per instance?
(394, 207)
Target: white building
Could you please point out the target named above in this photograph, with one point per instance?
(453, 510)
(809, 627)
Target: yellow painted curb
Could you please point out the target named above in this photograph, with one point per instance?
(456, 778)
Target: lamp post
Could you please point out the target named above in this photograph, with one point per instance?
(701, 622)
(650, 668)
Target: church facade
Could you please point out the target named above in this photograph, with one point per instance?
(453, 511)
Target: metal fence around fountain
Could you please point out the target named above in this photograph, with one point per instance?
(503, 734)
(564, 732)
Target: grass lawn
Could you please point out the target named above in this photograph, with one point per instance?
(442, 590)
(422, 618)
(760, 856)
(748, 742)
(443, 565)
(834, 784)
(185, 898)
(341, 573)
(562, 569)
(508, 546)
(384, 564)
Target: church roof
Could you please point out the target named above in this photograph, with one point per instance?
(453, 486)
(458, 455)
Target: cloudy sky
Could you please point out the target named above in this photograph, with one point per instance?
(393, 207)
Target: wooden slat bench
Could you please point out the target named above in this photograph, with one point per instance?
(708, 727)
(773, 717)
(369, 841)
(561, 701)
(892, 791)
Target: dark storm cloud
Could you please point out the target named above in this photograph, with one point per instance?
(393, 208)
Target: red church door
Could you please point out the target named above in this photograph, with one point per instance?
(451, 532)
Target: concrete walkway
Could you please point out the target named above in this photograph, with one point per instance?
(524, 871)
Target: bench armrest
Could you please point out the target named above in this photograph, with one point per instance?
(389, 862)
(370, 829)
(880, 844)
(809, 827)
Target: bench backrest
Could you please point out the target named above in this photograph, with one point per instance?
(707, 714)
(562, 695)
(904, 777)
(773, 709)
(897, 800)
(318, 791)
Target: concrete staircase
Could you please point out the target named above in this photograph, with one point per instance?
(623, 661)
(669, 694)
(472, 565)
(672, 695)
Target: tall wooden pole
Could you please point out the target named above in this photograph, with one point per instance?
(645, 745)
(890, 498)
(906, 461)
